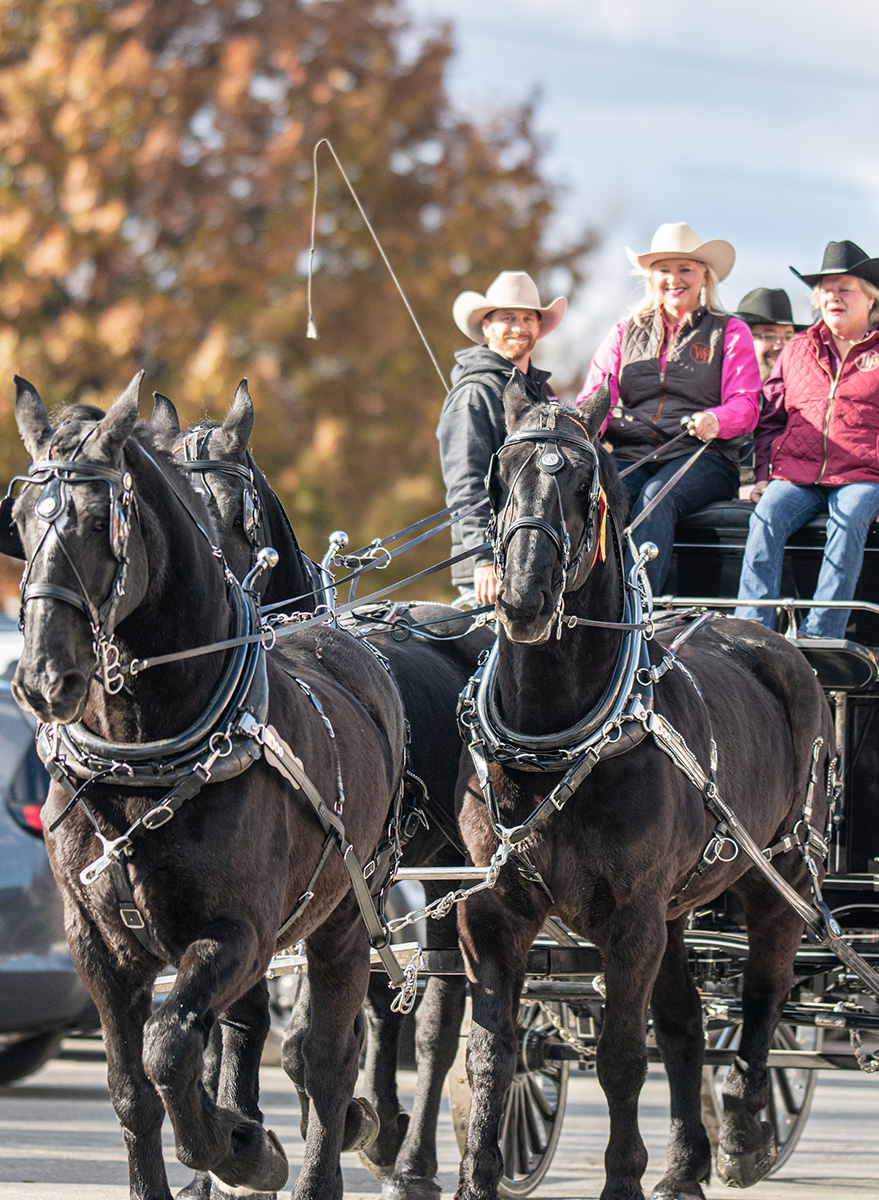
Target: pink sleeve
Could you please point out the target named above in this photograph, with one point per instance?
(605, 362)
(739, 405)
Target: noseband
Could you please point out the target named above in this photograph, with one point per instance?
(196, 461)
(550, 461)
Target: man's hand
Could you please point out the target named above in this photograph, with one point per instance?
(485, 584)
(704, 426)
(757, 490)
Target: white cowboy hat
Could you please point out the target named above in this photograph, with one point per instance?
(511, 289)
(677, 240)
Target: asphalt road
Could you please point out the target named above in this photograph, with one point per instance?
(59, 1137)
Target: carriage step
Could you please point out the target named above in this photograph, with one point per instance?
(841, 665)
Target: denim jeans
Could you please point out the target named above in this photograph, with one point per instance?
(710, 478)
(782, 509)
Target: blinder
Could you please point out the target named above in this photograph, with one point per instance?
(55, 478)
(10, 539)
(197, 461)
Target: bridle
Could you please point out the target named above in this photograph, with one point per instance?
(548, 458)
(196, 461)
(55, 478)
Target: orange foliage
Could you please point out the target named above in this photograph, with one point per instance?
(155, 211)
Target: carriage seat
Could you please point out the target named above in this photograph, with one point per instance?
(707, 560)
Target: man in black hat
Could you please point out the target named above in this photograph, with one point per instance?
(767, 312)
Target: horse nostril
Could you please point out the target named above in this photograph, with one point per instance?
(63, 686)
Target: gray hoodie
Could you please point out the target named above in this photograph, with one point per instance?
(471, 428)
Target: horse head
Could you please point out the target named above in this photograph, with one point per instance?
(549, 487)
(222, 474)
(86, 570)
(247, 512)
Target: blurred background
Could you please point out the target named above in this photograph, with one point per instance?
(157, 183)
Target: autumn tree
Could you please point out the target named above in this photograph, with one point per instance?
(155, 211)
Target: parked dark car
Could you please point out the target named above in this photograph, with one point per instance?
(42, 999)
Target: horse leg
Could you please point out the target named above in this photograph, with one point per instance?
(746, 1146)
(634, 945)
(380, 1076)
(123, 1006)
(677, 1022)
(231, 1073)
(200, 1186)
(437, 1028)
(232, 1146)
(495, 939)
(361, 1120)
(324, 1061)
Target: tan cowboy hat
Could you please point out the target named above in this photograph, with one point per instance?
(511, 289)
(677, 240)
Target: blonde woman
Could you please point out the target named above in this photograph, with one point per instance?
(678, 355)
(816, 448)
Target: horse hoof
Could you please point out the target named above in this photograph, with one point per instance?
(668, 1193)
(219, 1191)
(361, 1124)
(259, 1163)
(410, 1187)
(379, 1157)
(198, 1189)
(745, 1169)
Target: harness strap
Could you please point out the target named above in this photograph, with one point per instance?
(280, 756)
(308, 895)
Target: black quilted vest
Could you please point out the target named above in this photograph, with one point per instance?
(690, 381)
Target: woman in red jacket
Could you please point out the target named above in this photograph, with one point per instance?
(817, 442)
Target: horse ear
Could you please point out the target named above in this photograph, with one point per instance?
(165, 417)
(118, 424)
(31, 417)
(238, 424)
(594, 409)
(516, 402)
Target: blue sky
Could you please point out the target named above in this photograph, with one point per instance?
(754, 122)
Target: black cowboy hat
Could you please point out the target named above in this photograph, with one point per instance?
(767, 306)
(844, 258)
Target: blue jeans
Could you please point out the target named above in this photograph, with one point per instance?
(710, 478)
(782, 509)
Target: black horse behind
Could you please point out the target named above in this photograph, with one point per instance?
(430, 673)
(627, 857)
(199, 877)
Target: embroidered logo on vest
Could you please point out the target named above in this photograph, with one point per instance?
(868, 361)
(700, 353)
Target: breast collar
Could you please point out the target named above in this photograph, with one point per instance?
(73, 754)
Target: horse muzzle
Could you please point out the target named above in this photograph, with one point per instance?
(522, 623)
(52, 696)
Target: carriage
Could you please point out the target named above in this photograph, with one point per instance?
(563, 1010)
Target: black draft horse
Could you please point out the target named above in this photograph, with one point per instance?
(206, 884)
(430, 673)
(624, 861)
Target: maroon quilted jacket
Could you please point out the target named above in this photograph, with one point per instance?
(820, 419)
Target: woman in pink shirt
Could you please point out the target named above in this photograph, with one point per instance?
(679, 360)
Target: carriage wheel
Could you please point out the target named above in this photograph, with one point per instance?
(534, 1107)
(790, 1088)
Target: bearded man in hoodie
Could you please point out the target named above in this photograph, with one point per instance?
(506, 323)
